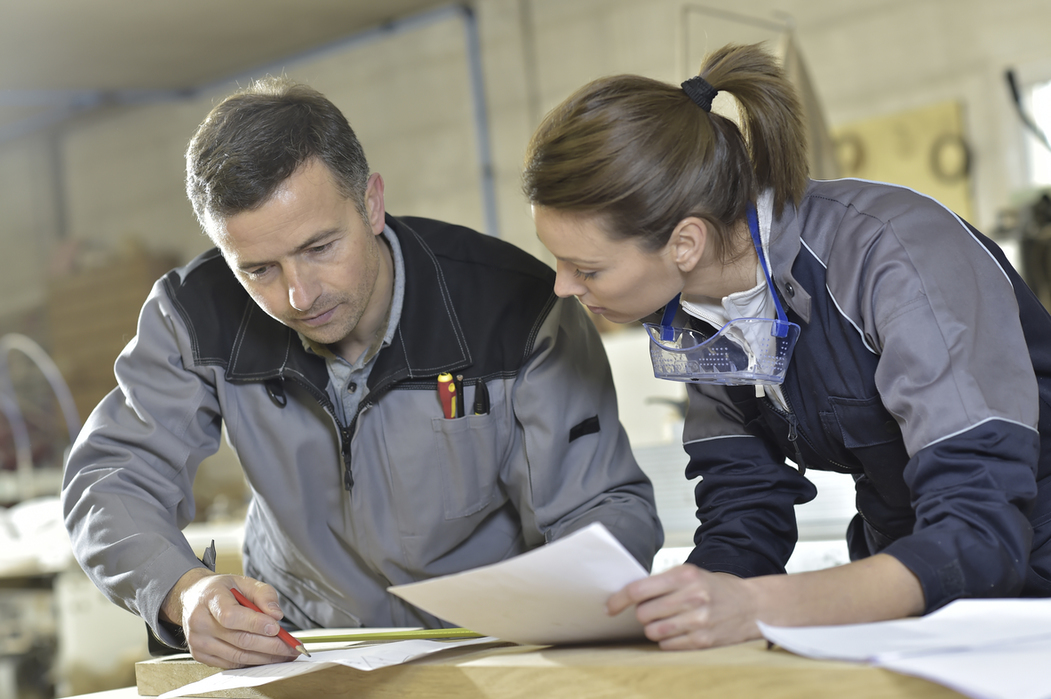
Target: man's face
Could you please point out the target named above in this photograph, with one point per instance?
(308, 258)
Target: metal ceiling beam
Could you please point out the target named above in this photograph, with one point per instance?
(62, 105)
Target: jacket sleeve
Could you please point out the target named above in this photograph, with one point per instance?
(956, 373)
(571, 463)
(127, 487)
(746, 494)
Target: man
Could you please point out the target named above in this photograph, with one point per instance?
(316, 332)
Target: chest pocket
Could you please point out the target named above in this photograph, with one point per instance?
(466, 451)
(869, 434)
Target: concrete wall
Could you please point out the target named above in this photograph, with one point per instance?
(116, 175)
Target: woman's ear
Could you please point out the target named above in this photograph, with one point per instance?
(688, 242)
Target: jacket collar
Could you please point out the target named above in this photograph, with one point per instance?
(786, 236)
(429, 338)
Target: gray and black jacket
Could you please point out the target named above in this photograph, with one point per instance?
(923, 370)
(397, 494)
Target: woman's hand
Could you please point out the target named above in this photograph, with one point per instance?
(687, 607)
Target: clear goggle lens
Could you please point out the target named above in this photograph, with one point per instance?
(744, 351)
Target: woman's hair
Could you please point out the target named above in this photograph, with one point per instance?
(641, 155)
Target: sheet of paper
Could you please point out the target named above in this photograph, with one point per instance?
(1018, 671)
(986, 649)
(550, 595)
(363, 657)
(960, 626)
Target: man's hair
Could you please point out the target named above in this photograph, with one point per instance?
(259, 136)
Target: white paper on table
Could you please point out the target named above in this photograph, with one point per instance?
(364, 657)
(1018, 671)
(959, 626)
(986, 649)
(553, 594)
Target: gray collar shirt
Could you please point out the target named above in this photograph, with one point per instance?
(347, 382)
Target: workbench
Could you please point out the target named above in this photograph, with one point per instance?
(745, 671)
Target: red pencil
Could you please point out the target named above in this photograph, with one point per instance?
(282, 634)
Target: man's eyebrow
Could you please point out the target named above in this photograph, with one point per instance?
(308, 243)
(317, 238)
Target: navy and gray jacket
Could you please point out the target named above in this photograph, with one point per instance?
(398, 493)
(923, 370)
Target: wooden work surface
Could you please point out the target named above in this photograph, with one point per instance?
(746, 671)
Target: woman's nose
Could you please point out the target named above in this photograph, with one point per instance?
(566, 283)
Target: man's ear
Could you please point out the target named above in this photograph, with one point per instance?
(688, 242)
(376, 209)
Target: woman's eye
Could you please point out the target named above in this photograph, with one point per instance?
(585, 275)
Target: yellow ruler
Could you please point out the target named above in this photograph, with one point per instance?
(391, 635)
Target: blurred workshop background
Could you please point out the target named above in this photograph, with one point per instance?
(98, 99)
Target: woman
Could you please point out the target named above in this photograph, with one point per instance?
(889, 340)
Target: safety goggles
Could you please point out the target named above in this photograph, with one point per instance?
(744, 351)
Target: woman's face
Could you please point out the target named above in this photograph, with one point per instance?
(616, 279)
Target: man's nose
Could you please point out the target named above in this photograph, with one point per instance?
(303, 291)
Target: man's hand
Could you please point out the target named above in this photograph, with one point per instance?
(687, 607)
(219, 631)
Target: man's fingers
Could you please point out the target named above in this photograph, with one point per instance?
(218, 653)
(230, 614)
(240, 648)
(252, 632)
(226, 634)
(262, 595)
(249, 649)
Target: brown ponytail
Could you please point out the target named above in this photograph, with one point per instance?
(772, 118)
(641, 155)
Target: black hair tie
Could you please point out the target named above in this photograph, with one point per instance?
(700, 91)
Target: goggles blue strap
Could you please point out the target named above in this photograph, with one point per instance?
(667, 331)
(781, 324)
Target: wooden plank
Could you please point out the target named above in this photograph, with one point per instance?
(746, 671)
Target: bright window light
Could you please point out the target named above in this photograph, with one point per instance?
(1039, 155)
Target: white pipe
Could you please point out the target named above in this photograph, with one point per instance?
(9, 402)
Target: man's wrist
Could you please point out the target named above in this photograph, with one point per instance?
(172, 606)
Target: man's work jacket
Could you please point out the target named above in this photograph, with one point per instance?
(395, 494)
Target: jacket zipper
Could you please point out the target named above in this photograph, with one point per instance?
(793, 427)
(794, 434)
(347, 433)
(344, 447)
(793, 437)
